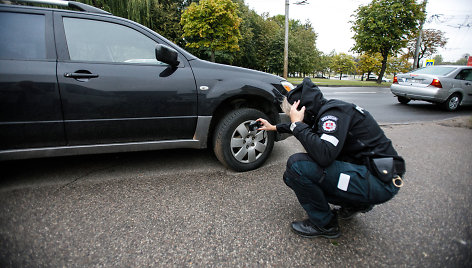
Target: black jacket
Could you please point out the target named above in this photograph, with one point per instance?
(337, 130)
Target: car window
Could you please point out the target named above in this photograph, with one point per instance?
(22, 36)
(465, 75)
(90, 40)
(436, 70)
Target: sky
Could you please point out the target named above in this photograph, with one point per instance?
(331, 21)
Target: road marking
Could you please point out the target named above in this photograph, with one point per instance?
(350, 92)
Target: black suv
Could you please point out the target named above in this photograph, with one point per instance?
(85, 82)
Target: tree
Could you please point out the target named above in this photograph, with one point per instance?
(397, 65)
(462, 60)
(322, 63)
(162, 16)
(302, 48)
(438, 60)
(212, 24)
(343, 63)
(369, 63)
(431, 40)
(385, 26)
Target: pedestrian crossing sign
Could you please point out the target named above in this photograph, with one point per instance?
(429, 63)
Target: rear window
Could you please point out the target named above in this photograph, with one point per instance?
(22, 36)
(434, 70)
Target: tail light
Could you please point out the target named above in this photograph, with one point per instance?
(395, 80)
(436, 83)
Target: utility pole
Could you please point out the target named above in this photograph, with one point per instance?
(287, 3)
(418, 40)
(286, 40)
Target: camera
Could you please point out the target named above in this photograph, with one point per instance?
(255, 125)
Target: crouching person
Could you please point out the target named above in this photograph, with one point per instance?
(348, 162)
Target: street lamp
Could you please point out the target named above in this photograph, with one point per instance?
(287, 3)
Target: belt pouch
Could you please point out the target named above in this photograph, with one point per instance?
(383, 168)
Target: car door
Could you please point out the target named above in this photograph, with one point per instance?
(465, 76)
(112, 87)
(30, 107)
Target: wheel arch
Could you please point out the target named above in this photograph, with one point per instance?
(242, 101)
(456, 91)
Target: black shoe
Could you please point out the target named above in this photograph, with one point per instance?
(306, 228)
(347, 213)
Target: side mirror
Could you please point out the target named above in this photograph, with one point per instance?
(167, 55)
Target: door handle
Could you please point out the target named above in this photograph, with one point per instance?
(81, 75)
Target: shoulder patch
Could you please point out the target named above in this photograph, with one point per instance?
(329, 117)
(328, 123)
(329, 126)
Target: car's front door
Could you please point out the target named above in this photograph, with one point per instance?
(114, 90)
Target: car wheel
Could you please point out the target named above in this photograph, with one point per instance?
(236, 146)
(403, 100)
(452, 103)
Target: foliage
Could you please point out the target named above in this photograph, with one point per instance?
(261, 39)
(322, 64)
(369, 63)
(343, 63)
(438, 60)
(461, 61)
(397, 65)
(302, 53)
(162, 16)
(431, 40)
(212, 24)
(385, 26)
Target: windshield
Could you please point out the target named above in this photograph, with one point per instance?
(437, 70)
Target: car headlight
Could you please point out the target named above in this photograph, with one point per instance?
(287, 85)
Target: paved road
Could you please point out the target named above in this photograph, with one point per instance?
(180, 208)
(385, 107)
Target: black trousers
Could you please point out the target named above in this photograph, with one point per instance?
(341, 183)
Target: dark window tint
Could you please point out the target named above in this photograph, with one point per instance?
(90, 40)
(22, 36)
(465, 75)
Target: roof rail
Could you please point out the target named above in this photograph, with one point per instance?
(71, 4)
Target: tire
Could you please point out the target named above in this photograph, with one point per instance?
(452, 103)
(238, 148)
(403, 100)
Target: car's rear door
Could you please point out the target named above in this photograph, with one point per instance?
(30, 107)
(112, 87)
(465, 77)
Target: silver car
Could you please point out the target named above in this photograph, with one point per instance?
(447, 85)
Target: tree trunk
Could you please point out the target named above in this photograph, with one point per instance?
(340, 76)
(212, 56)
(384, 66)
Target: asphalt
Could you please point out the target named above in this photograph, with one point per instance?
(149, 210)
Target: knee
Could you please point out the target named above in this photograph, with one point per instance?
(301, 167)
(296, 158)
(292, 172)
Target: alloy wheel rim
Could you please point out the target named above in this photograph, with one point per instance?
(248, 146)
(453, 103)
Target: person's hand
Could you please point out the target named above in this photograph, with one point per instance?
(266, 125)
(295, 114)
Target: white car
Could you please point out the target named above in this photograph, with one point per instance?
(447, 85)
(374, 78)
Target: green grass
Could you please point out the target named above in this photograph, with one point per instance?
(344, 83)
